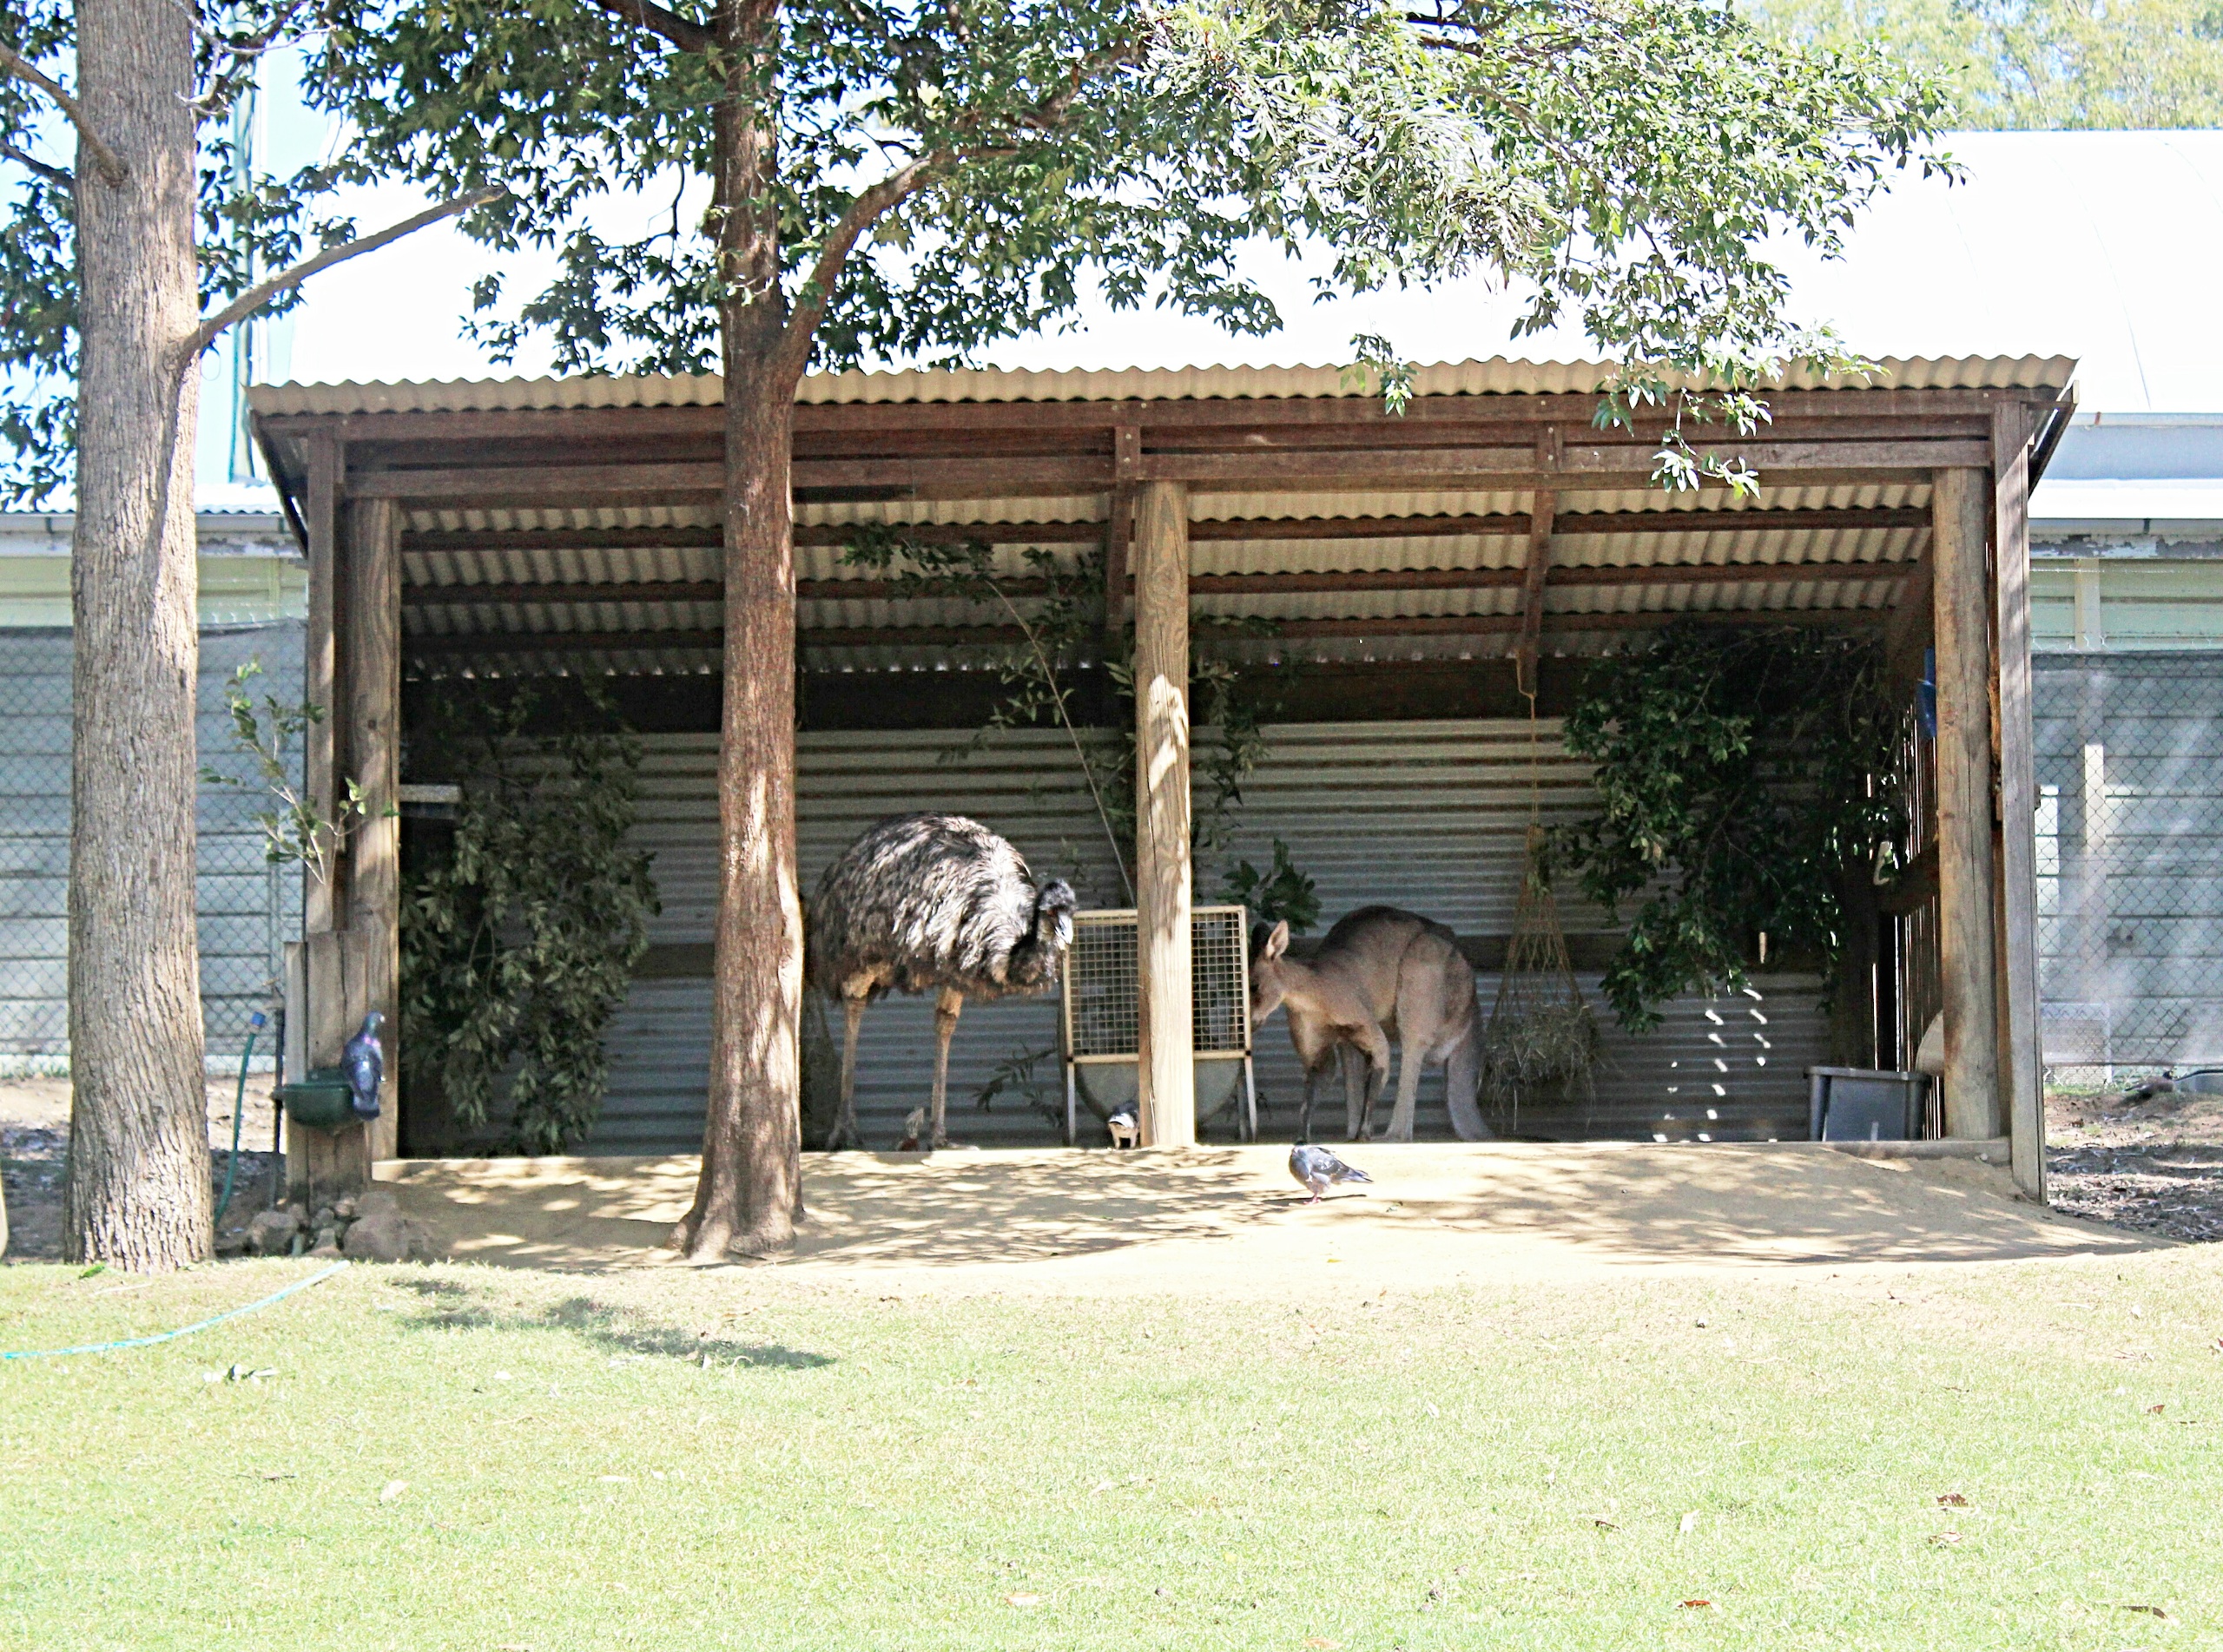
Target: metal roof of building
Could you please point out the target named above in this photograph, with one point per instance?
(1499, 376)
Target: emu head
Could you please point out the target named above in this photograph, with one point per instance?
(1269, 976)
(1034, 961)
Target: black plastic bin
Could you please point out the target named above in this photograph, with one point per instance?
(1853, 1104)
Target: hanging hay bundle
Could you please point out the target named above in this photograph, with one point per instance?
(1541, 1039)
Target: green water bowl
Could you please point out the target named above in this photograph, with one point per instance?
(320, 1102)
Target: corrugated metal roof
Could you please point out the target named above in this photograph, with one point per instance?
(1498, 376)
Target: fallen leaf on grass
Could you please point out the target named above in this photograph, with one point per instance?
(1946, 1539)
(393, 1489)
(2150, 1611)
(1951, 1500)
(1602, 1523)
(1690, 1523)
(1320, 1643)
(2155, 1411)
(1695, 1603)
(1023, 1600)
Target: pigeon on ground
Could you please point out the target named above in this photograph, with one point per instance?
(363, 1060)
(1126, 1129)
(1319, 1169)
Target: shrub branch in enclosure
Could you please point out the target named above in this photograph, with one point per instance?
(519, 938)
(1744, 777)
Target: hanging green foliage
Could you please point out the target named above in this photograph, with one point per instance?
(1061, 628)
(1741, 774)
(519, 937)
(1279, 894)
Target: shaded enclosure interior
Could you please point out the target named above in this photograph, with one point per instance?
(1380, 576)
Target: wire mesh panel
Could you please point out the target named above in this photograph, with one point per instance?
(1103, 984)
(1103, 988)
(248, 909)
(2130, 863)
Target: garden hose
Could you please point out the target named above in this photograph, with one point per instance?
(254, 1023)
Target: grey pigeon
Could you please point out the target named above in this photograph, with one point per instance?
(1126, 1129)
(1319, 1169)
(363, 1060)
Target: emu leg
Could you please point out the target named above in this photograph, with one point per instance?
(844, 1120)
(945, 1012)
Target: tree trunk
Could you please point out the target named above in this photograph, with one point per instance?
(750, 1190)
(138, 1192)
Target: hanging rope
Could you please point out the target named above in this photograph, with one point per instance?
(1541, 1035)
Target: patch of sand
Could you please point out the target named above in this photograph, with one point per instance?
(1230, 1218)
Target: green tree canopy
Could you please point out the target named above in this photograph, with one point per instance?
(2037, 65)
(941, 177)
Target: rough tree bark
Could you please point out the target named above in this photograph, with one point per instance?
(138, 1192)
(750, 1190)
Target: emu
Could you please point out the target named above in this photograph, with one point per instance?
(931, 902)
(1379, 972)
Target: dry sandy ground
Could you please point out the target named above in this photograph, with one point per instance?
(34, 1131)
(1222, 1217)
(1230, 1218)
(2157, 1167)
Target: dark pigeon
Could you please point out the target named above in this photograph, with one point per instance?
(1319, 1169)
(363, 1060)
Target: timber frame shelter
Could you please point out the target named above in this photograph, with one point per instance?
(521, 527)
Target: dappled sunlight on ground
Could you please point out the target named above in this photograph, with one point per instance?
(1230, 1217)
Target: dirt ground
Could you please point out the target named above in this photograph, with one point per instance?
(1230, 1218)
(35, 1133)
(2156, 1168)
(2151, 1171)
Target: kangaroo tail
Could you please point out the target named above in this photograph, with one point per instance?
(1462, 1076)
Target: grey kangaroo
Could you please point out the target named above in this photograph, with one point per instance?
(1380, 973)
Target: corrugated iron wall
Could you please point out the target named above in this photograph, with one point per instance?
(246, 909)
(1430, 816)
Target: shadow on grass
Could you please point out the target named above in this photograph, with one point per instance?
(450, 1305)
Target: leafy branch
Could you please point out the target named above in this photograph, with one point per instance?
(1744, 776)
(294, 832)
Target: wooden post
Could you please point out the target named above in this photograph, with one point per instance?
(1966, 941)
(321, 1165)
(320, 664)
(2022, 1068)
(1167, 1071)
(373, 747)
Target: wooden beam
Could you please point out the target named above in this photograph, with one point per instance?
(1165, 1071)
(1967, 940)
(1536, 569)
(490, 643)
(1575, 409)
(319, 664)
(374, 723)
(1263, 530)
(1357, 580)
(2023, 1063)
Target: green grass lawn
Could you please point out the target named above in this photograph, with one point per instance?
(451, 1456)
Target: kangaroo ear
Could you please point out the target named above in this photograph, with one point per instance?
(1277, 943)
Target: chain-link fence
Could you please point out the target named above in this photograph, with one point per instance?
(248, 909)
(2130, 863)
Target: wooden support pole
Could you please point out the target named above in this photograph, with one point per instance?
(1167, 1072)
(1966, 934)
(2022, 1067)
(1537, 569)
(320, 662)
(373, 747)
